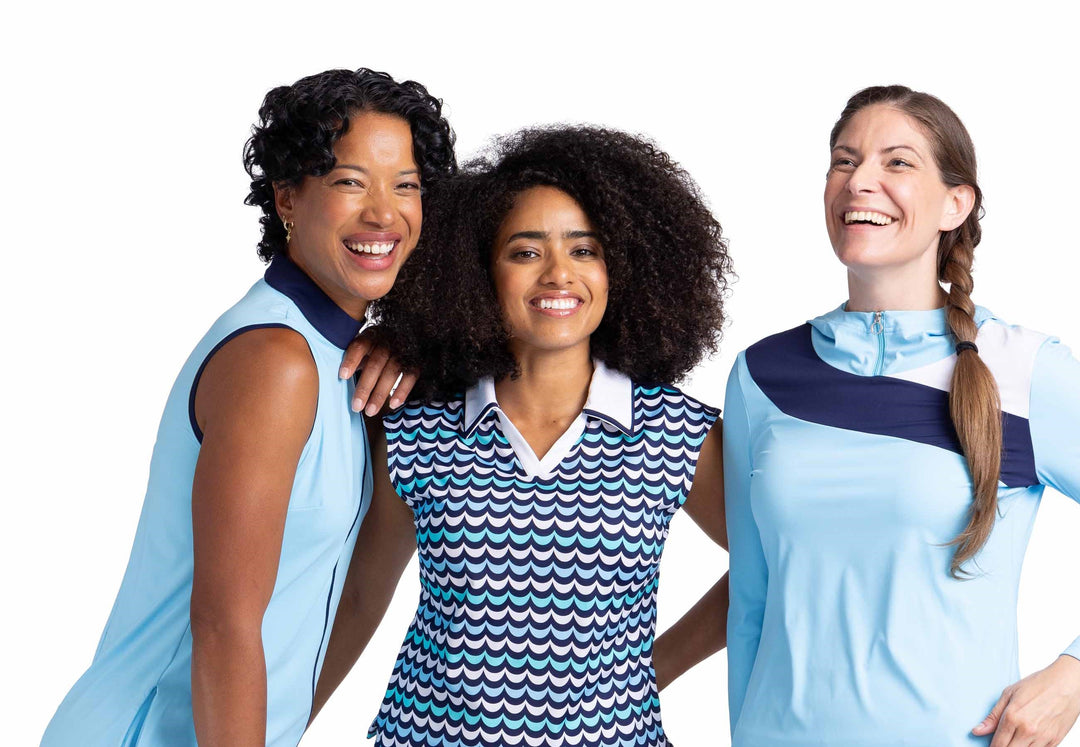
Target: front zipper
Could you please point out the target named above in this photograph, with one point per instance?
(878, 328)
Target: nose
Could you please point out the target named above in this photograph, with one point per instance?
(378, 210)
(863, 179)
(557, 270)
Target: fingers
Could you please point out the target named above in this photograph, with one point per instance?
(992, 723)
(403, 390)
(385, 384)
(354, 356)
(374, 364)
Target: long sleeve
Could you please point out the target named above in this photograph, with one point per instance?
(749, 575)
(1055, 425)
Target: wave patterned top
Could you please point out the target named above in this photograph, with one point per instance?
(538, 593)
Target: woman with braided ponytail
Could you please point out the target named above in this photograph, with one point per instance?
(883, 467)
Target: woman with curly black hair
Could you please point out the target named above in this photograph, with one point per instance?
(564, 281)
(219, 629)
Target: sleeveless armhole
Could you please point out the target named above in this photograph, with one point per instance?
(693, 420)
(195, 429)
(402, 430)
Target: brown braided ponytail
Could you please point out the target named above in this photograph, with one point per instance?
(973, 395)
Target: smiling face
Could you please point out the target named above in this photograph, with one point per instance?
(354, 227)
(885, 202)
(549, 272)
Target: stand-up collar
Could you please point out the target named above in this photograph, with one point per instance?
(881, 342)
(332, 322)
(610, 399)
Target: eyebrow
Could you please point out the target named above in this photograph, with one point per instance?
(362, 170)
(540, 235)
(890, 149)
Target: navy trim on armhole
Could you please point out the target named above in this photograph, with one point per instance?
(198, 374)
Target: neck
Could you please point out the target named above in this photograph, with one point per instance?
(353, 306)
(905, 288)
(552, 385)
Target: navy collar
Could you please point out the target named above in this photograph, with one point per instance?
(284, 276)
(611, 399)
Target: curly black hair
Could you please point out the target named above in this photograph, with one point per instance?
(667, 262)
(299, 124)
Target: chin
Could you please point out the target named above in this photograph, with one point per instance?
(869, 257)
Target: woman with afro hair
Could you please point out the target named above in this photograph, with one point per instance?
(564, 281)
(260, 476)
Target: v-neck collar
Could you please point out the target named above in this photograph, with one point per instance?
(610, 400)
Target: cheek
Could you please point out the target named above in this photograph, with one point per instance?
(508, 289)
(412, 213)
(599, 287)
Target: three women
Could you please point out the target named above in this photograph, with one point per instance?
(845, 470)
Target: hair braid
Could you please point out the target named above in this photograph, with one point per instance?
(974, 404)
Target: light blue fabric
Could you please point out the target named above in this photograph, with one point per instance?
(1055, 425)
(138, 687)
(845, 627)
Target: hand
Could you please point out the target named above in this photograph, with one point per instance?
(1037, 711)
(380, 373)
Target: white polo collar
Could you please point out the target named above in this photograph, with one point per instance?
(610, 399)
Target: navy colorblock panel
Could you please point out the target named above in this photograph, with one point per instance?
(789, 372)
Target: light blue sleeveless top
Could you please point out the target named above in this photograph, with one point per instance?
(138, 688)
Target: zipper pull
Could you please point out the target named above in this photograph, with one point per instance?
(877, 326)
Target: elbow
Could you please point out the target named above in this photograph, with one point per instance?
(214, 626)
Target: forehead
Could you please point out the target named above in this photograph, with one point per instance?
(546, 208)
(882, 126)
(376, 138)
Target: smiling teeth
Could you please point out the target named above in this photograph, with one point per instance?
(559, 303)
(377, 249)
(876, 218)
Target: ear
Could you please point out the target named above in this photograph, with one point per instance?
(958, 204)
(283, 200)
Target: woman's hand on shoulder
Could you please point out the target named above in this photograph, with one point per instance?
(1037, 711)
(379, 372)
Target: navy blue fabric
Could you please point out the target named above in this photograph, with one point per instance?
(326, 316)
(793, 377)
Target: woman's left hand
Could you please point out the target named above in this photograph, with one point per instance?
(1037, 711)
(379, 372)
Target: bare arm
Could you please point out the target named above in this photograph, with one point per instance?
(240, 497)
(702, 631)
(384, 546)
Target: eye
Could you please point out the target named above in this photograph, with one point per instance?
(899, 162)
(348, 183)
(585, 251)
(843, 163)
(409, 186)
(524, 254)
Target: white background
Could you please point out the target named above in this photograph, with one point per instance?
(124, 236)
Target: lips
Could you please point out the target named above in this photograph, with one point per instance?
(871, 217)
(557, 305)
(372, 250)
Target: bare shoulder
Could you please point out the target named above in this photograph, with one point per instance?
(266, 369)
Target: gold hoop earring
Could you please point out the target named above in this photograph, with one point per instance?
(288, 229)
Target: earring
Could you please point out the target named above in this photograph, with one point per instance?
(288, 229)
